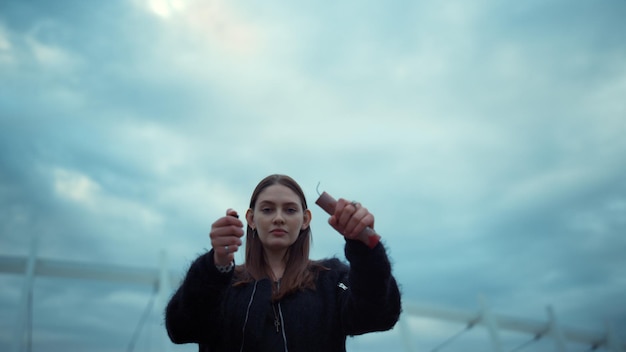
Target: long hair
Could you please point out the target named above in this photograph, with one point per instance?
(300, 272)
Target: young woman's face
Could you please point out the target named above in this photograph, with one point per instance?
(278, 217)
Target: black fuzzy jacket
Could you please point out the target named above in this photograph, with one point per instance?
(361, 298)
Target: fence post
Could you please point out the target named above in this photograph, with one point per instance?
(555, 330)
(491, 324)
(163, 293)
(612, 340)
(27, 288)
(405, 332)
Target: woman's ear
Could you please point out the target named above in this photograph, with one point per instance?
(307, 219)
(250, 218)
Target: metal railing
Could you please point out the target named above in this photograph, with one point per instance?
(161, 279)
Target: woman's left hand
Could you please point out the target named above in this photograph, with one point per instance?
(350, 218)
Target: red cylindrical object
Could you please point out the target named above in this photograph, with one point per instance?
(327, 202)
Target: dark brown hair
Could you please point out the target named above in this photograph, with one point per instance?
(300, 272)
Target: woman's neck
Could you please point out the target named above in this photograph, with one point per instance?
(276, 263)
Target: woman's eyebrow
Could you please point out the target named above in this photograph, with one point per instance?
(269, 202)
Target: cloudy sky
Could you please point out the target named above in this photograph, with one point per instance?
(487, 137)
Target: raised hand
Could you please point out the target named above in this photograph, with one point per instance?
(225, 237)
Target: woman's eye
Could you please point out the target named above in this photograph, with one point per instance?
(266, 210)
(292, 210)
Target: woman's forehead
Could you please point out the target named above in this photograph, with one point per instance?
(278, 194)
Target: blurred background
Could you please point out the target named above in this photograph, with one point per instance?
(487, 137)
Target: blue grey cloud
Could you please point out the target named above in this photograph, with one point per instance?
(486, 138)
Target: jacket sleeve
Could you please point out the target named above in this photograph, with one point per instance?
(192, 314)
(372, 300)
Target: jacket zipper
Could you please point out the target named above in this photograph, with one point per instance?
(280, 322)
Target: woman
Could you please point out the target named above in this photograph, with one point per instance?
(279, 300)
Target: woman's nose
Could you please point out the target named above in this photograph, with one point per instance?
(279, 217)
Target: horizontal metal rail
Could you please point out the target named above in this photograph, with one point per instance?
(159, 277)
(81, 270)
(533, 327)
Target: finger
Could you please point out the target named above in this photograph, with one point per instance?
(332, 221)
(231, 241)
(222, 241)
(226, 226)
(341, 204)
(224, 249)
(230, 219)
(232, 212)
(361, 212)
(353, 224)
(355, 219)
(346, 214)
(226, 231)
(364, 220)
(339, 218)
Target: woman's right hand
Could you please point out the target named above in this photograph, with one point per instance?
(225, 236)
